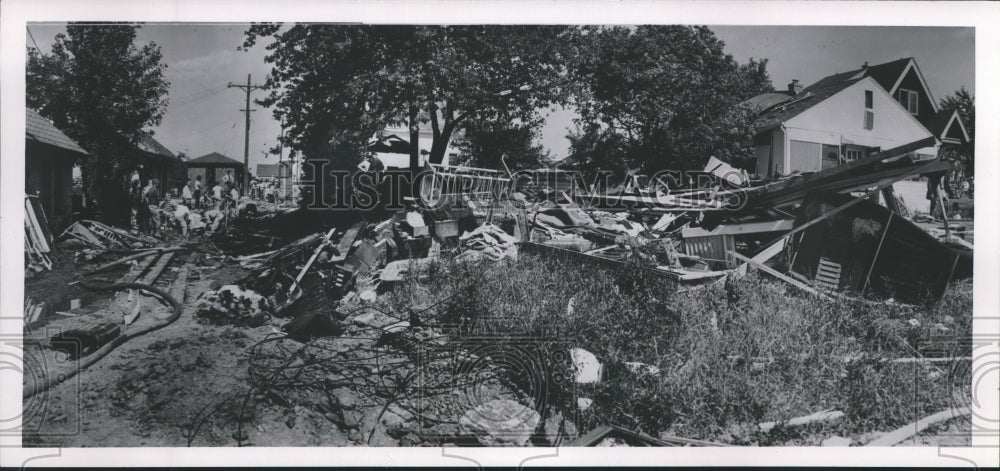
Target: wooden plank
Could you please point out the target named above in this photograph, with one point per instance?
(910, 430)
(154, 272)
(740, 229)
(140, 268)
(779, 275)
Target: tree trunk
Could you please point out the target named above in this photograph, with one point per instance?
(414, 141)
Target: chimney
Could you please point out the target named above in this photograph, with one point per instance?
(795, 87)
(864, 66)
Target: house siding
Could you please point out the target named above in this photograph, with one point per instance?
(840, 120)
(912, 82)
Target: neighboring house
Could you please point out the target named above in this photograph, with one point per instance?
(394, 151)
(846, 116)
(49, 156)
(215, 167)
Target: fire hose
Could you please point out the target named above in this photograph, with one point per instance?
(36, 387)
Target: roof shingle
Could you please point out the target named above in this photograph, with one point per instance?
(41, 130)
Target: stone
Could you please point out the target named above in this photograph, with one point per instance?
(551, 428)
(837, 441)
(410, 439)
(345, 398)
(395, 426)
(500, 422)
(351, 418)
(588, 369)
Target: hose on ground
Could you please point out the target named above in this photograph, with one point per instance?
(50, 380)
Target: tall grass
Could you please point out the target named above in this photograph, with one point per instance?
(730, 356)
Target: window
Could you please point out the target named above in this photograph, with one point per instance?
(869, 114)
(909, 100)
(853, 154)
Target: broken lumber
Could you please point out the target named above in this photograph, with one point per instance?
(779, 275)
(910, 430)
(824, 416)
(130, 258)
(154, 272)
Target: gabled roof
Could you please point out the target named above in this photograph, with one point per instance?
(215, 158)
(148, 144)
(942, 121)
(888, 75)
(807, 98)
(39, 129)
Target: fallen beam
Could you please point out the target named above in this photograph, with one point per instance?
(910, 430)
(740, 228)
(824, 416)
(779, 275)
(130, 258)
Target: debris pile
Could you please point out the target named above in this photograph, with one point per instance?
(233, 306)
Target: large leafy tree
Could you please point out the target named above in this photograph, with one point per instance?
(337, 85)
(491, 144)
(659, 97)
(965, 153)
(102, 90)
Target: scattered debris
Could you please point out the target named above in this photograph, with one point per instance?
(586, 366)
(233, 306)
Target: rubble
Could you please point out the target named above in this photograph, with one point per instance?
(233, 306)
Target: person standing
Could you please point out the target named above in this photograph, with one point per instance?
(134, 199)
(197, 192)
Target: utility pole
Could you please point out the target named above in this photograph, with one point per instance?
(246, 142)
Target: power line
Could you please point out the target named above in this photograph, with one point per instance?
(32, 38)
(248, 88)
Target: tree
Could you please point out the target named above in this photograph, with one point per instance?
(964, 153)
(485, 143)
(664, 97)
(102, 91)
(344, 83)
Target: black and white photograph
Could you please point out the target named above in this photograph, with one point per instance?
(550, 234)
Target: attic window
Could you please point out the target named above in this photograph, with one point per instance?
(869, 113)
(908, 98)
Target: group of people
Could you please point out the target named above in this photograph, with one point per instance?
(221, 196)
(141, 200)
(265, 190)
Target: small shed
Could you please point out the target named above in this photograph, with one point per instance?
(49, 156)
(215, 167)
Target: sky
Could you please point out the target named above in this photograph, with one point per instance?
(204, 115)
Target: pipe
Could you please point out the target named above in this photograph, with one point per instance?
(36, 387)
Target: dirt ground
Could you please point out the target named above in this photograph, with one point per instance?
(189, 383)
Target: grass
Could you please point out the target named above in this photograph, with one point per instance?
(730, 356)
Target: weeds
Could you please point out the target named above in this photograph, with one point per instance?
(730, 356)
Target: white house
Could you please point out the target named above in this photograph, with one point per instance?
(394, 151)
(844, 117)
